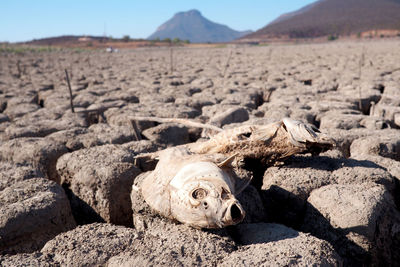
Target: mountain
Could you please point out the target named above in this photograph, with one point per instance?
(192, 26)
(334, 17)
(289, 15)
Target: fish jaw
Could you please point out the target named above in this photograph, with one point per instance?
(234, 213)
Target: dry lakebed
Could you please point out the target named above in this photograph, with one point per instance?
(66, 176)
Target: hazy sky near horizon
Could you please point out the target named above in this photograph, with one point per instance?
(24, 20)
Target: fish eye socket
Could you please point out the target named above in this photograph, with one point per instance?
(199, 193)
(224, 194)
(244, 135)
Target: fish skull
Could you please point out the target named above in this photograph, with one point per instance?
(201, 196)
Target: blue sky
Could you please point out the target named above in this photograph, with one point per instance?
(23, 20)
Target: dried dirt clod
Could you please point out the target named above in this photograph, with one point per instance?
(341, 121)
(166, 243)
(3, 117)
(38, 127)
(168, 134)
(286, 188)
(277, 245)
(357, 217)
(232, 115)
(27, 259)
(71, 138)
(90, 245)
(11, 173)
(142, 146)
(31, 213)
(98, 181)
(374, 123)
(258, 233)
(392, 166)
(163, 243)
(386, 144)
(387, 111)
(20, 110)
(41, 153)
(102, 133)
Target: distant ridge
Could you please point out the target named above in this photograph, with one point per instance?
(192, 26)
(334, 17)
(91, 42)
(61, 40)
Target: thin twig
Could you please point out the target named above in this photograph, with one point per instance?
(227, 63)
(171, 60)
(136, 130)
(360, 65)
(269, 93)
(70, 91)
(19, 69)
(186, 122)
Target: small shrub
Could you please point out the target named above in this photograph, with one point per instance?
(332, 37)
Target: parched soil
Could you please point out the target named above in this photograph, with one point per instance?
(66, 176)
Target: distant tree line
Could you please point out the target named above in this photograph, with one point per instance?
(127, 38)
(174, 40)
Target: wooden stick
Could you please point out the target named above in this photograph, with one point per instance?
(171, 58)
(70, 91)
(136, 130)
(186, 122)
(19, 69)
(227, 63)
(270, 91)
(360, 65)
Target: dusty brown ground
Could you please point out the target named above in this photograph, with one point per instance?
(60, 169)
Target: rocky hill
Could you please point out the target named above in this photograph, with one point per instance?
(337, 18)
(192, 26)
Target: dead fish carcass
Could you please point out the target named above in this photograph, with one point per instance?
(193, 189)
(196, 184)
